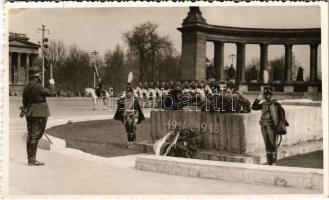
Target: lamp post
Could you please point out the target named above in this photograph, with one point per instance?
(44, 45)
(94, 54)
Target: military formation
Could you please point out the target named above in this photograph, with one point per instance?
(200, 91)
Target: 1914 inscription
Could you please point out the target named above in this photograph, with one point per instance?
(204, 127)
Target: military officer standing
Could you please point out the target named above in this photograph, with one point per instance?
(127, 111)
(36, 111)
(268, 122)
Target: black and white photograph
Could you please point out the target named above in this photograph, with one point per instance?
(191, 99)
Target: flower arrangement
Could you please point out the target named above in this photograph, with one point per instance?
(183, 142)
(228, 103)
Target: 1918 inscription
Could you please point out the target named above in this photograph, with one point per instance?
(204, 127)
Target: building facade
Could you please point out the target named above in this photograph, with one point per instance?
(22, 55)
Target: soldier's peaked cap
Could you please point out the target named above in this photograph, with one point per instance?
(34, 71)
(129, 88)
(268, 90)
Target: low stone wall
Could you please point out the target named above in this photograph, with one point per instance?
(239, 133)
(304, 178)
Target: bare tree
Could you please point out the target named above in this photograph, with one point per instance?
(115, 68)
(147, 44)
(56, 52)
(75, 73)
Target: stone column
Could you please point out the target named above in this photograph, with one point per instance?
(288, 62)
(241, 57)
(219, 60)
(287, 68)
(27, 66)
(18, 70)
(313, 87)
(313, 62)
(240, 66)
(10, 68)
(33, 57)
(193, 56)
(263, 61)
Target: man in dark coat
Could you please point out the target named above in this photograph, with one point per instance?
(128, 110)
(37, 112)
(268, 121)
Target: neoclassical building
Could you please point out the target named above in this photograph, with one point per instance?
(22, 54)
(196, 33)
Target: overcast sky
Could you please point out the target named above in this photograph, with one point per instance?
(101, 28)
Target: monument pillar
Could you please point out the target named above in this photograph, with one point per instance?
(194, 56)
(263, 61)
(193, 46)
(219, 60)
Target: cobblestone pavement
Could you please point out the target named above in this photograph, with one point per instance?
(81, 173)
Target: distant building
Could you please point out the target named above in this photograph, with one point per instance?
(22, 55)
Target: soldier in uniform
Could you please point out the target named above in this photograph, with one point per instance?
(128, 110)
(268, 122)
(37, 111)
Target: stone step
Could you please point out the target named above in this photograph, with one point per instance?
(257, 158)
(225, 156)
(304, 178)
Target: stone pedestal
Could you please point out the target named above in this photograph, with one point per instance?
(312, 89)
(288, 88)
(236, 132)
(243, 88)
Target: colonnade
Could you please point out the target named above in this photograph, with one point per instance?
(240, 61)
(19, 64)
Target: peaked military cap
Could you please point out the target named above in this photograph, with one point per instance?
(34, 71)
(268, 90)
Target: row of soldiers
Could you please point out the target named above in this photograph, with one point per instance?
(203, 88)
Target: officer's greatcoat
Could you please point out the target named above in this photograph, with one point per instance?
(34, 99)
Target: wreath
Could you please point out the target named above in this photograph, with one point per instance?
(183, 143)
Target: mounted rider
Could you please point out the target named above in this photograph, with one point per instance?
(99, 88)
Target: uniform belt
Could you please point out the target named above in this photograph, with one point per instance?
(37, 101)
(265, 122)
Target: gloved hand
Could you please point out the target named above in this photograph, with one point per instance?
(260, 97)
(52, 81)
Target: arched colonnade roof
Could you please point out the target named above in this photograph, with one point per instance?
(254, 35)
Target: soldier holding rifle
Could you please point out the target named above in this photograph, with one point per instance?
(36, 110)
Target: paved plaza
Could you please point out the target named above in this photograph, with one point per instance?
(73, 172)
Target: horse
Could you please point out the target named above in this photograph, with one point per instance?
(96, 99)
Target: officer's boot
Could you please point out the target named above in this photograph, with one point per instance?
(134, 137)
(33, 161)
(28, 150)
(129, 140)
(274, 156)
(269, 158)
